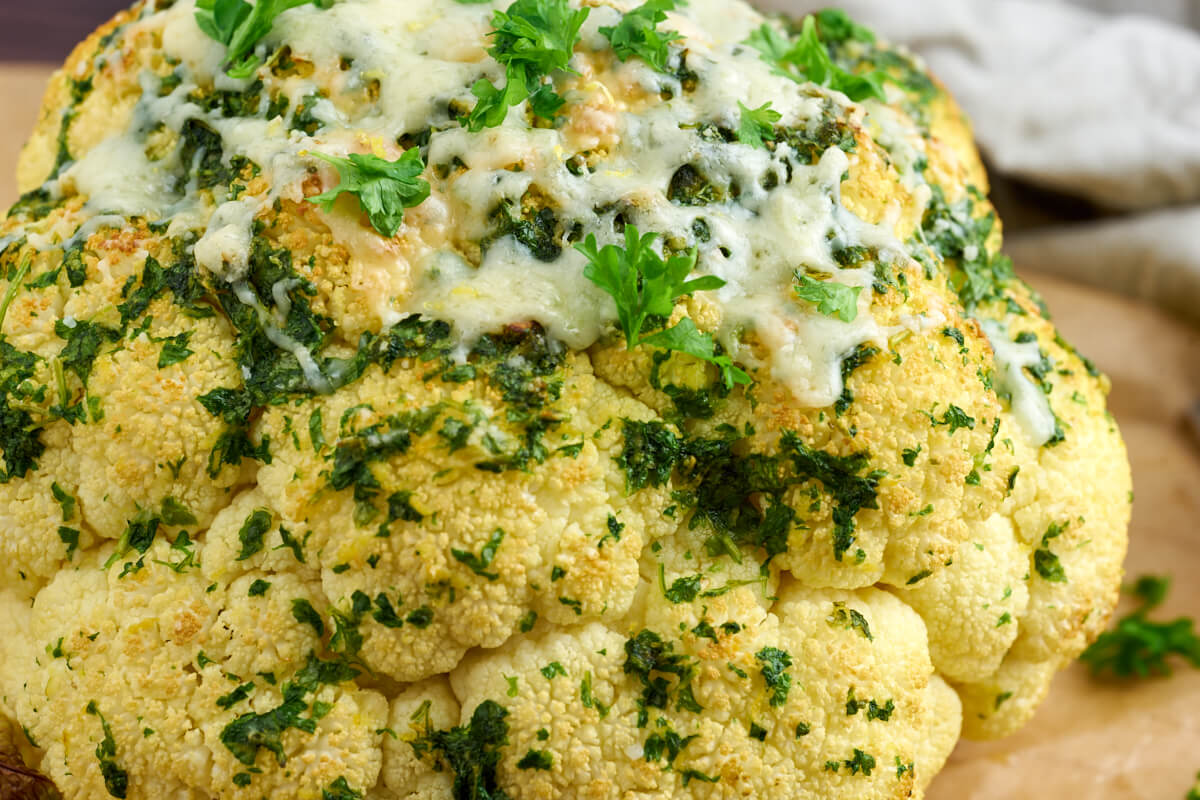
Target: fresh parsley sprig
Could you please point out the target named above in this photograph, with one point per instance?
(831, 298)
(533, 39)
(384, 188)
(757, 125)
(808, 59)
(1139, 646)
(637, 34)
(240, 26)
(645, 288)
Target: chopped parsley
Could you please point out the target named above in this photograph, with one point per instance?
(849, 619)
(536, 759)
(1045, 561)
(775, 664)
(251, 732)
(479, 563)
(175, 350)
(470, 752)
(305, 614)
(383, 188)
(116, 780)
(653, 661)
(252, 532)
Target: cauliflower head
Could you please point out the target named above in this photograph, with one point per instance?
(550, 399)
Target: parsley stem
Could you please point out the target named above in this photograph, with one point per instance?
(13, 285)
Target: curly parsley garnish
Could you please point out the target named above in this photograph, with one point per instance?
(533, 40)
(808, 59)
(1139, 646)
(384, 188)
(637, 35)
(240, 26)
(645, 288)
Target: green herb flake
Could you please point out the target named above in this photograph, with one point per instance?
(116, 780)
(471, 752)
(536, 759)
(252, 532)
(849, 619)
(175, 350)
(305, 614)
(479, 563)
(775, 664)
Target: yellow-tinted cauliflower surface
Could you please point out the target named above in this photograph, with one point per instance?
(421, 491)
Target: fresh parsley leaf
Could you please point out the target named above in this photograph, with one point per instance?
(757, 126)
(637, 35)
(1139, 646)
(832, 299)
(836, 26)
(808, 59)
(645, 288)
(239, 26)
(532, 39)
(384, 188)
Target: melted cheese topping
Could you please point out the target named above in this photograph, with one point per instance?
(1029, 403)
(377, 70)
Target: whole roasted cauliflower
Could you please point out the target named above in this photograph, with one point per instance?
(556, 399)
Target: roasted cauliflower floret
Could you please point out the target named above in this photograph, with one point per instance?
(433, 399)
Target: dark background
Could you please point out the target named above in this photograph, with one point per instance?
(46, 30)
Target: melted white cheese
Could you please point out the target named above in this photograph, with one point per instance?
(418, 61)
(224, 249)
(1030, 405)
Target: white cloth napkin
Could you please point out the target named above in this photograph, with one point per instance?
(1093, 102)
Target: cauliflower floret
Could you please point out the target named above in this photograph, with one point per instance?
(972, 608)
(147, 679)
(743, 708)
(448, 555)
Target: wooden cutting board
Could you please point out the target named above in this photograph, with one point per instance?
(1090, 740)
